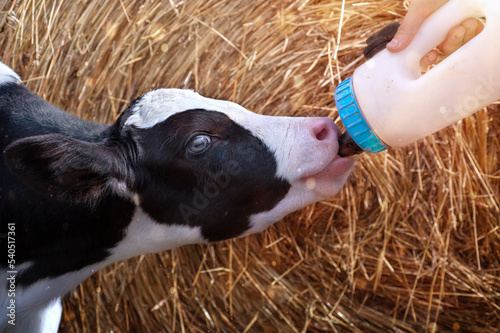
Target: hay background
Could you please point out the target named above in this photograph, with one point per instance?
(411, 244)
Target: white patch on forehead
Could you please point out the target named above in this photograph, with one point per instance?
(158, 105)
(7, 75)
(290, 139)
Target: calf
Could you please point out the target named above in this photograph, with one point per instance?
(175, 168)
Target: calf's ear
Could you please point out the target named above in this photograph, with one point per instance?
(64, 168)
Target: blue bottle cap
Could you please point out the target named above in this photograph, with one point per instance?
(354, 121)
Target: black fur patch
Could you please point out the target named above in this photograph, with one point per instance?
(56, 236)
(218, 190)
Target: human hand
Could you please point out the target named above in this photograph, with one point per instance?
(418, 11)
(456, 37)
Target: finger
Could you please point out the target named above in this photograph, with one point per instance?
(417, 13)
(406, 32)
(480, 27)
(378, 41)
(454, 40)
(458, 36)
(472, 28)
(429, 59)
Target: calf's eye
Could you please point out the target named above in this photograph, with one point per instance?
(199, 144)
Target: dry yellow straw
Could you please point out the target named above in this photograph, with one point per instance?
(411, 244)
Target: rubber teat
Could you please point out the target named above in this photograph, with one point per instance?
(388, 102)
(347, 146)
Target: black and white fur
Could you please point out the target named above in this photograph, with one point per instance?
(175, 168)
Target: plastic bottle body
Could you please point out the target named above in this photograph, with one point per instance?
(402, 106)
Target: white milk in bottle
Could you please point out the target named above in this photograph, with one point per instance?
(388, 103)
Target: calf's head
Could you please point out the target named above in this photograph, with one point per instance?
(201, 165)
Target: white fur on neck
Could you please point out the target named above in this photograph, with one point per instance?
(144, 235)
(7, 75)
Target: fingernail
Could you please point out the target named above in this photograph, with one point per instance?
(394, 43)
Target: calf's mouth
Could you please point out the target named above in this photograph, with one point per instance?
(347, 146)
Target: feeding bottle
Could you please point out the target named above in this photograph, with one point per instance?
(389, 103)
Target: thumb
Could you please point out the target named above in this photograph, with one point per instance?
(406, 31)
(417, 13)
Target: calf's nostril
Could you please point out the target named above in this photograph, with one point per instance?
(322, 129)
(322, 134)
